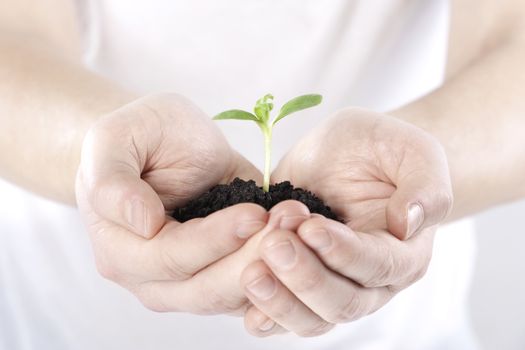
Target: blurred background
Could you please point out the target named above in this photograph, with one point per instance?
(497, 303)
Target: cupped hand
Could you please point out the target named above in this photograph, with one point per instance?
(389, 182)
(140, 161)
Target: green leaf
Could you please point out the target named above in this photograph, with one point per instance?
(297, 104)
(263, 106)
(236, 114)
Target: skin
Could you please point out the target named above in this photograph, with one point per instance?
(486, 51)
(378, 251)
(78, 144)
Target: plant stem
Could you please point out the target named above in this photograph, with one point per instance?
(267, 131)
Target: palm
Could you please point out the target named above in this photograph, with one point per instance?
(146, 158)
(389, 181)
(355, 162)
(183, 152)
(160, 149)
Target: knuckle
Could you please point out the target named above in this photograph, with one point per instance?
(419, 272)
(352, 310)
(341, 258)
(319, 329)
(218, 304)
(239, 308)
(150, 301)
(211, 305)
(172, 267)
(153, 305)
(312, 281)
(106, 271)
(384, 272)
(402, 266)
(208, 228)
(254, 330)
(282, 310)
(106, 268)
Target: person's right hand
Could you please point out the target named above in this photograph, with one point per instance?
(150, 156)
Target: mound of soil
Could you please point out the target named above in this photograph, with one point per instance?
(240, 191)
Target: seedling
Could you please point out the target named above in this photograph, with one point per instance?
(261, 116)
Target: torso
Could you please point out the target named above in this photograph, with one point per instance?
(225, 54)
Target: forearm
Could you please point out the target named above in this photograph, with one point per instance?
(47, 104)
(479, 117)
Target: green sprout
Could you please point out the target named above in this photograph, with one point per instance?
(262, 110)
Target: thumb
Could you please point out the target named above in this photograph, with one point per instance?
(111, 176)
(423, 197)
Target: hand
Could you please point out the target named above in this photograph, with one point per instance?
(389, 181)
(219, 283)
(152, 154)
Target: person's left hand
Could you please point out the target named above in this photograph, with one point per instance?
(389, 182)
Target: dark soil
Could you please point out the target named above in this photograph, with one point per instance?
(240, 191)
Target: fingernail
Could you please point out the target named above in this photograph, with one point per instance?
(415, 218)
(318, 239)
(316, 215)
(291, 223)
(281, 254)
(248, 228)
(266, 326)
(262, 288)
(136, 215)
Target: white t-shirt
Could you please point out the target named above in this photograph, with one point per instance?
(224, 54)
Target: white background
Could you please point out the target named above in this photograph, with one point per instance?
(498, 291)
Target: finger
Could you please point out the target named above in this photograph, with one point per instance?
(373, 260)
(179, 250)
(279, 304)
(110, 170)
(215, 289)
(331, 296)
(260, 325)
(288, 215)
(195, 244)
(423, 195)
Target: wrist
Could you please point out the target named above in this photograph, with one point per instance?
(76, 132)
(417, 113)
